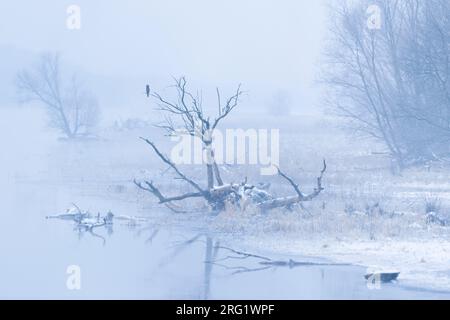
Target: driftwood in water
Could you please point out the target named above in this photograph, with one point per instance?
(73, 214)
(89, 220)
(85, 222)
(84, 219)
(383, 277)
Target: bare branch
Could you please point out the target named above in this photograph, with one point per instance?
(188, 109)
(293, 184)
(319, 187)
(231, 103)
(300, 197)
(173, 166)
(150, 187)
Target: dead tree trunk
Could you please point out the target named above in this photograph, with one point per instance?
(189, 110)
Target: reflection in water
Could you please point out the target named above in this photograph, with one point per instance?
(85, 222)
(237, 262)
(209, 269)
(91, 231)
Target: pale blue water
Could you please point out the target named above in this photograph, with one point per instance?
(35, 252)
(140, 263)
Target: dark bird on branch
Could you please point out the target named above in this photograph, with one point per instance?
(147, 90)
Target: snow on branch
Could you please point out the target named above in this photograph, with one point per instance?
(188, 110)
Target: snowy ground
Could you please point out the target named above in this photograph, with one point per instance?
(421, 263)
(365, 216)
(421, 253)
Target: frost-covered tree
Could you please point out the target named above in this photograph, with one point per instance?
(184, 114)
(391, 80)
(71, 108)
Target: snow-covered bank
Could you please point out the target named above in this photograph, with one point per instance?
(422, 263)
(365, 216)
(404, 242)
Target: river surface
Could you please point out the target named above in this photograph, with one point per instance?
(153, 261)
(145, 261)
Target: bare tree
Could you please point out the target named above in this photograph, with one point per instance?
(186, 115)
(392, 83)
(72, 109)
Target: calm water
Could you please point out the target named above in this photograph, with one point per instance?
(149, 261)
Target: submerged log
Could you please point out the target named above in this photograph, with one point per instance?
(84, 219)
(383, 277)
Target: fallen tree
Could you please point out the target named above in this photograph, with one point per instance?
(188, 110)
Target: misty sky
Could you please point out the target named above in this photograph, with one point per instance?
(261, 43)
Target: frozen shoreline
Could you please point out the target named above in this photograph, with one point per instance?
(422, 264)
(337, 227)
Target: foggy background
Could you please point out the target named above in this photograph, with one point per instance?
(120, 47)
(371, 212)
